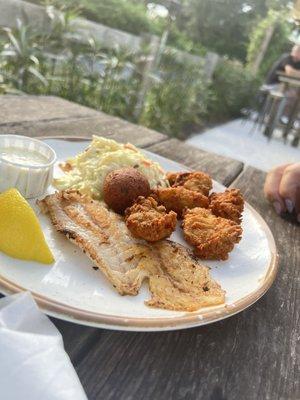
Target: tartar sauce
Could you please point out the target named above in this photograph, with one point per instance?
(25, 164)
(23, 156)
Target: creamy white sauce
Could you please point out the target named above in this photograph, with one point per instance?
(22, 156)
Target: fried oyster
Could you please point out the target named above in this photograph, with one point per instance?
(196, 181)
(180, 198)
(149, 221)
(229, 204)
(213, 237)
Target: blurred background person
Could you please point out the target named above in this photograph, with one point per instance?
(287, 63)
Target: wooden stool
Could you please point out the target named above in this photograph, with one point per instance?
(293, 116)
(275, 105)
(296, 138)
(261, 99)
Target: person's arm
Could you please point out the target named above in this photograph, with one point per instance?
(289, 70)
(282, 188)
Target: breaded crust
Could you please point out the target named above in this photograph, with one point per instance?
(197, 181)
(178, 198)
(149, 221)
(212, 237)
(229, 204)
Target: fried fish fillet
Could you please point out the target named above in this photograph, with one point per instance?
(213, 237)
(196, 181)
(176, 280)
(229, 204)
(179, 282)
(102, 235)
(149, 221)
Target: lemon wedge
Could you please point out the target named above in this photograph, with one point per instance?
(21, 235)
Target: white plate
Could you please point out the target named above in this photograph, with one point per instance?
(71, 290)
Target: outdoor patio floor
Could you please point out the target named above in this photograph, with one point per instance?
(234, 139)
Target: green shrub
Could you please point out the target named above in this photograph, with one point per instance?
(129, 16)
(180, 40)
(20, 59)
(178, 104)
(234, 87)
(119, 14)
(179, 99)
(279, 43)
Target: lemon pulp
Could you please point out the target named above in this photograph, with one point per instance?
(21, 235)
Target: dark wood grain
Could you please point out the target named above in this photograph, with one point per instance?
(102, 125)
(251, 356)
(77, 338)
(222, 169)
(84, 126)
(15, 109)
(51, 116)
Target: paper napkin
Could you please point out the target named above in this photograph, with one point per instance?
(33, 362)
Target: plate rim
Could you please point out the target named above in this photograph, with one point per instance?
(188, 319)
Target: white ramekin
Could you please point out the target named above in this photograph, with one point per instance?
(30, 180)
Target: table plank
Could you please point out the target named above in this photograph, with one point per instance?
(221, 168)
(102, 125)
(51, 116)
(289, 80)
(250, 356)
(16, 109)
(77, 338)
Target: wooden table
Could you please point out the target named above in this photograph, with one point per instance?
(251, 356)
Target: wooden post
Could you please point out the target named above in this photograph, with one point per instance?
(147, 70)
(264, 48)
(161, 48)
(210, 64)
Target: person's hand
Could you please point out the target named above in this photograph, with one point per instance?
(282, 188)
(289, 70)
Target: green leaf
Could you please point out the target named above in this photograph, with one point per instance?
(8, 53)
(14, 42)
(34, 59)
(38, 75)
